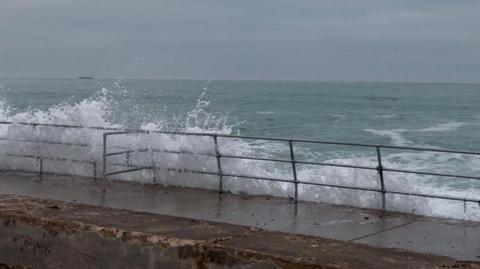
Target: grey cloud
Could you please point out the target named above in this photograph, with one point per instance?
(414, 40)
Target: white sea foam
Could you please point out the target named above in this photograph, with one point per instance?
(443, 127)
(388, 116)
(96, 111)
(265, 112)
(4, 109)
(395, 135)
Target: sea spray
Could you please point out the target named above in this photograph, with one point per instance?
(98, 110)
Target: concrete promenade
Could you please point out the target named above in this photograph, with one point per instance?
(459, 240)
(51, 234)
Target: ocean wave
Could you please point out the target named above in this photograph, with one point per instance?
(443, 127)
(98, 111)
(387, 116)
(265, 112)
(397, 135)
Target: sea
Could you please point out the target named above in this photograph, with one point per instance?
(425, 115)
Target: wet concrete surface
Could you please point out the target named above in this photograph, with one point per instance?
(427, 236)
(457, 239)
(40, 233)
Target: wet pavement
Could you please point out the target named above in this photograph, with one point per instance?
(453, 238)
(44, 233)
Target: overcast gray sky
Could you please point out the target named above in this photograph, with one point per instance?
(392, 40)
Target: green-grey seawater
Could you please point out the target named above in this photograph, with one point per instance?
(440, 115)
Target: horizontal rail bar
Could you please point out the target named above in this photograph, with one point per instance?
(430, 173)
(179, 170)
(140, 131)
(160, 151)
(432, 150)
(121, 152)
(44, 142)
(434, 196)
(392, 192)
(299, 162)
(59, 125)
(259, 178)
(350, 187)
(337, 165)
(304, 163)
(305, 183)
(254, 158)
(49, 158)
(352, 144)
(300, 182)
(116, 131)
(126, 171)
(45, 173)
(187, 171)
(339, 186)
(132, 131)
(196, 171)
(183, 152)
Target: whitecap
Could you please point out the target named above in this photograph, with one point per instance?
(265, 112)
(387, 116)
(395, 136)
(443, 127)
(96, 111)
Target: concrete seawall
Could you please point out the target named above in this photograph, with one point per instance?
(457, 239)
(40, 233)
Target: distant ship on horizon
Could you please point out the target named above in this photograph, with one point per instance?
(85, 77)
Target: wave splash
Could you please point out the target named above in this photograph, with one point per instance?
(98, 111)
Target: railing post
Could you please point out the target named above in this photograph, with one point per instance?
(127, 158)
(94, 163)
(39, 157)
(154, 175)
(154, 168)
(380, 173)
(40, 165)
(219, 164)
(294, 168)
(104, 156)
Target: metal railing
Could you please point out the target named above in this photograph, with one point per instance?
(379, 168)
(41, 158)
(220, 157)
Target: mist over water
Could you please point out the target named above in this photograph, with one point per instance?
(403, 114)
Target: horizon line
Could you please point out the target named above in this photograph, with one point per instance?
(251, 80)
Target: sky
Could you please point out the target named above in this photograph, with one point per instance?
(341, 40)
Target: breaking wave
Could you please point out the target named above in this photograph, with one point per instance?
(397, 135)
(84, 152)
